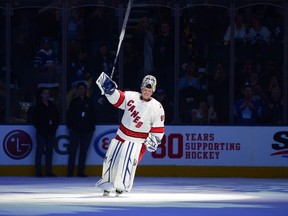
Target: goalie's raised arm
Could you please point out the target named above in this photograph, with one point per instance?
(106, 84)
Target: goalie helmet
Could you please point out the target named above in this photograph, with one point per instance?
(149, 81)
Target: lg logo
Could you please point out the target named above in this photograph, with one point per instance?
(17, 144)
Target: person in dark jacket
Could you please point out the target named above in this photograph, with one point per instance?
(46, 121)
(81, 125)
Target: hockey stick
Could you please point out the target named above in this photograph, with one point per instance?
(122, 34)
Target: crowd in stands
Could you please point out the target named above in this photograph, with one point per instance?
(258, 61)
(149, 48)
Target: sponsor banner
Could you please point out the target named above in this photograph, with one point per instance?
(222, 146)
(17, 145)
(181, 145)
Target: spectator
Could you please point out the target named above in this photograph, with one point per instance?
(272, 76)
(203, 114)
(218, 87)
(104, 60)
(258, 33)
(78, 69)
(75, 31)
(190, 83)
(255, 83)
(77, 72)
(189, 50)
(189, 90)
(164, 57)
(45, 64)
(246, 110)
(81, 124)
(273, 109)
(45, 118)
(103, 63)
(98, 29)
(244, 71)
(239, 31)
(278, 28)
(144, 42)
(75, 27)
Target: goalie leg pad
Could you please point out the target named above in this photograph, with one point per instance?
(127, 165)
(106, 182)
(105, 185)
(120, 165)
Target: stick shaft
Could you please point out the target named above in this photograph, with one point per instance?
(122, 34)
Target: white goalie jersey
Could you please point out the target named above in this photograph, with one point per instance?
(140, 117)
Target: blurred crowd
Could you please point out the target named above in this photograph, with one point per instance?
(202, 83)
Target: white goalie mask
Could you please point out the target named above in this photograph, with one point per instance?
(149, 81)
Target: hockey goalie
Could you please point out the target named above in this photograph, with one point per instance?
(141, 129)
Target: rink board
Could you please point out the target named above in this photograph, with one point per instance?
(184, 151)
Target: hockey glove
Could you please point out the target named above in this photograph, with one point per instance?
(106, 84)
(152, 143)
(109, 86)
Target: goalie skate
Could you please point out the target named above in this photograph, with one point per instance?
(106, 193)
(118, 192)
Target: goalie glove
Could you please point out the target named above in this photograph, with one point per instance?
(152, 143)
(106, 84)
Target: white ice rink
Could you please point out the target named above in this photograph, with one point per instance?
(149, 196)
